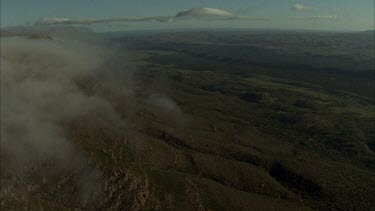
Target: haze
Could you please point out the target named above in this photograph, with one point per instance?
(285, 14)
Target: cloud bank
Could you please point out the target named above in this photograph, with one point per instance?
(67, 21)
(317, 17)
(194, 13)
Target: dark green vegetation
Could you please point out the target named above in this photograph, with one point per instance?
(280, 115)
(266, 120)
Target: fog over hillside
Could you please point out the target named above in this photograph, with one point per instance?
(60, 86)
(41, 96)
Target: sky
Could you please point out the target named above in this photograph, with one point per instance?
(352, 15)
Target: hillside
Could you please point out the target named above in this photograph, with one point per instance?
(204, 122)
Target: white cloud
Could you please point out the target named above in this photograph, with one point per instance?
(300, 8)
(202, 11)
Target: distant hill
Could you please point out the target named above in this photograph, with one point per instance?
(369, 31)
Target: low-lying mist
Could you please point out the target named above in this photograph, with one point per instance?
(40, 94)
(59, 86)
